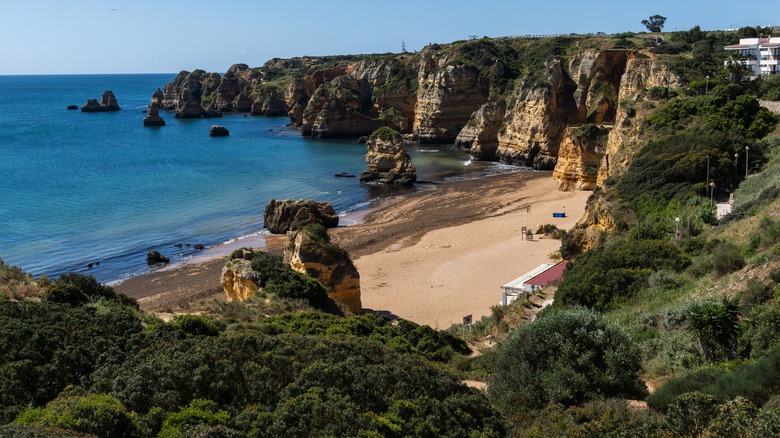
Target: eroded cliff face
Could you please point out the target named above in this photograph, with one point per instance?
(579, 157)
(640, 76)
(480, 135)
(446, 98)
(536, 118)
(329, 264)
(339, 108)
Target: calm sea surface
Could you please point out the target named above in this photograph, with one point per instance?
(77, 188)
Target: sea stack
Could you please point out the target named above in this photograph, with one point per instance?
(153, 117)
(107, 102)
(388, 162)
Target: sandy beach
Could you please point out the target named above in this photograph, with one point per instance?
(433, 256)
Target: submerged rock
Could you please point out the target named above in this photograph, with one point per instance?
(72, 107)
(292, 215)
(387, 160)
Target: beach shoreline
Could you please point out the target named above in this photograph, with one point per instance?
(430, 256)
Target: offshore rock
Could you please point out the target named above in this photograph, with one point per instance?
(107, 102)
(480, 135)
(388, 162)
(292, 215)
(153, 116)
(158, 96)
(218, 131)
(311, 252)
(239, 281)
(579, 157)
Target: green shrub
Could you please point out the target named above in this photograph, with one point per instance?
(65, 293)
(198, 412)
(567, 357)
(277, 278)
(691, 413)
(98, 414)
(716, 326)
(741, 418)
(613, 273)
(756, 293)
(727, 258)
(195, 325)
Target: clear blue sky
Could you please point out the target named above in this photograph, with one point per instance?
(144, 36)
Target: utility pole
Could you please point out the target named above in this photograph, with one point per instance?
(707, 180)
(747, 160)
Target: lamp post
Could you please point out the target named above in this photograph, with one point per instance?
(736, 156)
(712, 191)
(707, 87)
(747, 160)
(677, 227)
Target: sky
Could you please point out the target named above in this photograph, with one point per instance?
(167, 36)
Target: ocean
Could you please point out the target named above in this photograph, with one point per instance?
(79, 188)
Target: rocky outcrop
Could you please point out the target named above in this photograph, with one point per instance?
(218, 131)
(340, 108)
(107, 102)
(312, 253)
(282, 216)
(238, 280)
(536, 119)
(388, 162)
(480, 135)
(187, 93)
(154, 257)
(153, 116)
(579, 157)
(446, 98)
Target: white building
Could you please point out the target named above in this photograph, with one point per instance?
(531, 282)
(758, 55)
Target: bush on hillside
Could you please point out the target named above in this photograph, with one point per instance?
(567, 357)
(277, 278)
(613, 273)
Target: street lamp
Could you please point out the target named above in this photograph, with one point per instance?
(747, 151)
(677, 227)
(736, 156)
(712, 191)
(707, 87)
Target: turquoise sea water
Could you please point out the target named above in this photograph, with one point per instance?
(77, 188)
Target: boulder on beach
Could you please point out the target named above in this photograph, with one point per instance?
(218, 131)
(107, 102)
(292, 215)
(154, 258)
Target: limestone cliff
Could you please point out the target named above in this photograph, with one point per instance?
(312, 253)
(640, 76)
(536, 119)
(579, 157)
(339, 108)
(447, 96)
(480, 135)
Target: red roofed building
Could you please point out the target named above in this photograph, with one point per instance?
(532, 281)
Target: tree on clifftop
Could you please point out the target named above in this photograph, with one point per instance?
(654, 23)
